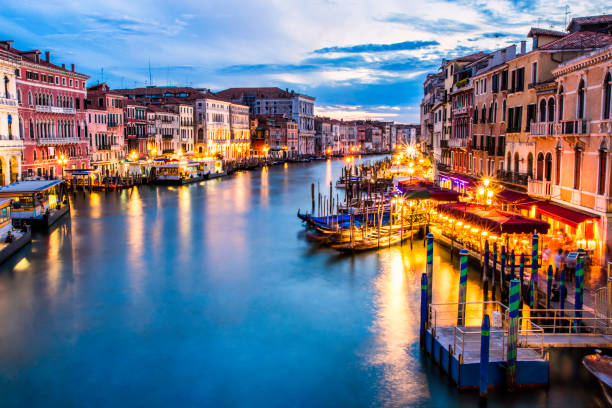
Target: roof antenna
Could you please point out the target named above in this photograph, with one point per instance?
(150, 77)
(566, 13)
(102, 74)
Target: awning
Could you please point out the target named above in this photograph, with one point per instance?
(461, 179)
(560, 213)
(426, 190)
(512, 197)
(500, 222)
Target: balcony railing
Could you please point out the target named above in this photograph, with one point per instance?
(55, 109)
(458, 142)
(512, 177)
(574, 127)
(543, 129)
(52, 141)
(8, 100)
(540, 188)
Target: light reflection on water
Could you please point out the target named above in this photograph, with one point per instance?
(208, 294)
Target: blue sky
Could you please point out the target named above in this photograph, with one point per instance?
(360, 59)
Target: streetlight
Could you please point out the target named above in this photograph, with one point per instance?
(485, 192)
(62, 160)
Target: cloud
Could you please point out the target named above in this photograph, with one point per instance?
(440, 25)
(401, 46)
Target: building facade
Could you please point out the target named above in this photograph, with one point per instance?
(11, 126)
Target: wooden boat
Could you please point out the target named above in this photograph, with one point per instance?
(211, 167)
(601, 367)
(372, 241)
(38, 203)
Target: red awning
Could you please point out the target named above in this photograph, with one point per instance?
(512, 197)
(560, 213)
(501, 222)
(435, 192)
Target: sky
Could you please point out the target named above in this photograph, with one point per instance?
(360, 59)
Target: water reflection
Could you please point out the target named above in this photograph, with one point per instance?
(208, 291)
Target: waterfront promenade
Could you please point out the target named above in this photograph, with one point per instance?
(207, 295)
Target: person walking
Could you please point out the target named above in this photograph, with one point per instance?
(558, 260)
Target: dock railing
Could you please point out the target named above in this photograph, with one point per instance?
(564, 327)
(446, 314)
(467, 342)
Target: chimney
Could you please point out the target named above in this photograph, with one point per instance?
(47, 56)
(523, 47)
(63, 66)
(72, 67)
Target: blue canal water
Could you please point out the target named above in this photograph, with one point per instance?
(209, 295)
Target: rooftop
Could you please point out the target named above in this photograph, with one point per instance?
(541, 31)
(580, 40)
(600, 19)
(29, 186)
(265, 93)
(34, 57)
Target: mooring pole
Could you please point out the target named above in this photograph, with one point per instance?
(562, 292)
(463, 261)
(424, 308)
(521, 275)
(512, 265)
(429, 268)
(513, 308)
(549, 286)
(494, 269)
(485, 267)
(609, 293)
(485, 332)
(534, 266)
(531, 291)
(502, 271)
(578, 300)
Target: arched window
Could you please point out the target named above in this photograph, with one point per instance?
(483, 116)
(29, 98)
(558, 153)
(540, 167)
(543, 110)
(560, 108)
(495, 113)
(607, 89)
(530, 165)
(551, 109)
(548, 167)
(31, 128)
(19, 95)
(504, 111)
(516, 162)
(509, 163)
(34, 155)
(603, 164)
(577, 166)
(580, 101)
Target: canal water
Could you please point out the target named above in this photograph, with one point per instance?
(209, 295)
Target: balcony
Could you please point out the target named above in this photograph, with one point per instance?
(55, 109)
(540, 188)
(574, 127)
(6, 143)
(9, 100)
(520, 179)
(52, 141)
(544, 129)
(605, 126)
(458, 143)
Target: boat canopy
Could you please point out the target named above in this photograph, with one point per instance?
(500, 222)
(29, 187)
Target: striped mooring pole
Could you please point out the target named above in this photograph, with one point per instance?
(502, 268)
(485, 333)
(562, 292)
(513, 309)
(424, 307)
(534, 267)
(463, 263)
(512, 265)
(429, 269)
(579, 297)
(549, 286)
(531, 292)
(485, 268)
(494, 272)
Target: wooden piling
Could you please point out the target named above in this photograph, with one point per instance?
(485, 332)
(463, 264)
(424, 308)
(513, 321)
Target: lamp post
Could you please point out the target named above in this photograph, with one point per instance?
(486, 192)
(62, 161)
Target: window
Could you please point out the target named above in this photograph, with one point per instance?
(601, 183)
(607, 90)
(516, 162)
(495, 83)
(577, 167)
(56, 80)
(580, 101)
(504, 111)
(560, 115)
(534, 73)
(520, 79)
(530, 165)
(543, 110)
(504, 80)
(63, 81)
(531, 116)
(551, 109)
(548, 167)
(540, 167)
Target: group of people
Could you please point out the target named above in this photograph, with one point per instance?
(561, 260)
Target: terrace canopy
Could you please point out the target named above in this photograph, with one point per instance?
(426, 190)
(500, 222)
